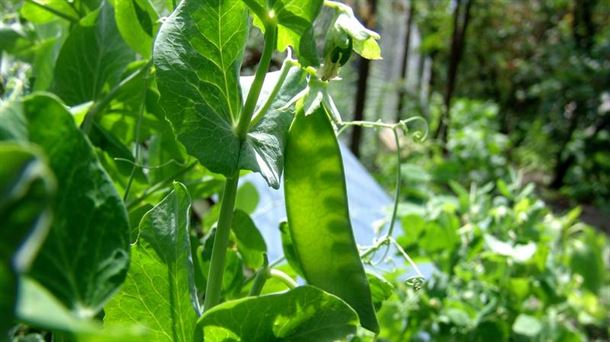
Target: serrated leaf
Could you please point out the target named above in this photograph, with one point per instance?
(92, 58)
(301, 314)
(294, 20)
(27, 187)
(159, 291)
(263, 149)
(91, 243)
(197, 55)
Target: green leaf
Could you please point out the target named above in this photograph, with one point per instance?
(381, 289)
(33, 12)
(159, 291)
(302, 314)
(250, 243)
(92, 58)
(294, 20)
(27, 187)
(137, 21)
(318, 217)
(198, 54)
(247, 197)
(263, 149)
(85, 257)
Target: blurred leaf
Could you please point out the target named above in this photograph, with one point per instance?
(27, 187)
(527, 325)
(97, 234)
(247, 198)
(250, 243)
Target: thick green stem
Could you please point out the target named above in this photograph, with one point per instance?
(257, 84)
(221, 241)
(288, 64)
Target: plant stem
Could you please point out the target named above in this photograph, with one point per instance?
(221, 240)
(257, 84)
(286, 66)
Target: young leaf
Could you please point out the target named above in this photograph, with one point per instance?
(302, 314)
(197, 54)
(85, 257)
(294, 20)
(159, 291)
(26, 189)
(92, 58)
(318, 217)
(263, 149)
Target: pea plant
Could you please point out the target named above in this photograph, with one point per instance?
(121, 121)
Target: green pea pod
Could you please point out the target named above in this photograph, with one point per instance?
(318, 217)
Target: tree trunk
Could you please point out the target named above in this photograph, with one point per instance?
(363, 76)
(404, 73)
(457, 47)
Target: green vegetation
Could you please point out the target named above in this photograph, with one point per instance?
(127, 125)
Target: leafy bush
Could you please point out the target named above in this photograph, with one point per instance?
(506, 268)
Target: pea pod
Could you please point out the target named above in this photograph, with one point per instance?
(318, 216)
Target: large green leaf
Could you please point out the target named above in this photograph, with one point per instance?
(263, 149)
(92, 58)
(85, 257)
(302, 314)
(294, 19)
(26, 189)
(198, 54)
(318, 216)
(159, 291)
